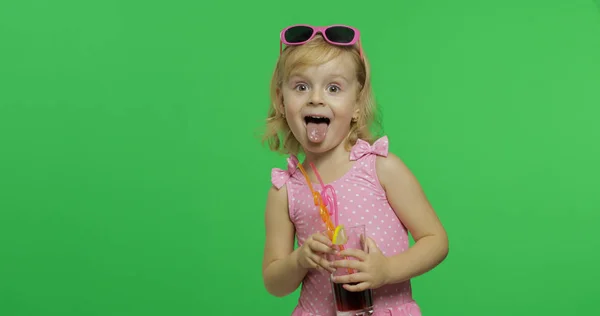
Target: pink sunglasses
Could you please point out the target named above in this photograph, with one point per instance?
(340, 35)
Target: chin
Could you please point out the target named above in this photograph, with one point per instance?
(322, 147)
(316, 148)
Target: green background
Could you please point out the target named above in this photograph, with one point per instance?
(125, 127)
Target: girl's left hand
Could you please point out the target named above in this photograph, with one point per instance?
(371, 268)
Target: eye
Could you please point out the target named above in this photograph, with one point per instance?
(301, 87)
(333, 88)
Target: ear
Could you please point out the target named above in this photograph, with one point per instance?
(355, 115)
(279, 95)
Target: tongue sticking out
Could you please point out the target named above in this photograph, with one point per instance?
(316, 131)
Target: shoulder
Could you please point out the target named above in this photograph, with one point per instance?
(277, 195)
(277, 192)
(389, 164)
(391, 169)
(280, 177)
(276, 210)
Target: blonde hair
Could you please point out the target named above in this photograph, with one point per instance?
(278, 134)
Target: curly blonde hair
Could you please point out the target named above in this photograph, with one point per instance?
(278, 134)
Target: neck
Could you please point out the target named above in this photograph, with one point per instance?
(336, 156)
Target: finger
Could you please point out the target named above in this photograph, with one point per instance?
(313, 264)
(323, 263)
(358, 287)
(353, 264)
(351, 278)
(356, 253)
(317, 246)
(323, 239)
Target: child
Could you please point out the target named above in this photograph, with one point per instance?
(323, 108)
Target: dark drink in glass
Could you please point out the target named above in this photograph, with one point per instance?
(349, 303)
(352, 302)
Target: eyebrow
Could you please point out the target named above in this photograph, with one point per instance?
(334, 75)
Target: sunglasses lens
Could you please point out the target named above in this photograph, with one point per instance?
(340, 34)
(298, 34)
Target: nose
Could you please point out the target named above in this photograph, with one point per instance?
(316, 98)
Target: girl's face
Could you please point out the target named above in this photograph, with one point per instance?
(319, 103)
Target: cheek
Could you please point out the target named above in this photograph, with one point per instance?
(344, 106)
(293, 100)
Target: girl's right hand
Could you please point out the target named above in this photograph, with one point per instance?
(311, 254)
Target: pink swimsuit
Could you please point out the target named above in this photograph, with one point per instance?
(361, 200)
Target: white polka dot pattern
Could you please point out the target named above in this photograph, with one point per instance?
(361, 200)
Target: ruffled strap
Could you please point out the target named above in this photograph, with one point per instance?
(279, 176)
(361, 148)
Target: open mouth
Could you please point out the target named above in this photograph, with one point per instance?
(316, 127)
(316, 119)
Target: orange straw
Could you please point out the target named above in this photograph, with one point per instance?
(319, 202)
(322, 210)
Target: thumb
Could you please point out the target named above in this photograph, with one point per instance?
(372, 246)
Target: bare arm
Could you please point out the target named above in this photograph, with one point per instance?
(282, 273)
(412, 207)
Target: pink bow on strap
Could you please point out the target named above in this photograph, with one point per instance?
(279, 177)
(362, 148)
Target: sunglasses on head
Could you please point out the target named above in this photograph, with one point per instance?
(339, 35)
